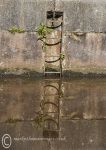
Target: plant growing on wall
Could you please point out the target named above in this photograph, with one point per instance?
(42, 32)
(15, 29)
(39, 120)
(62, 56)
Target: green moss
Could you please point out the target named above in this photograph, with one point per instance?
(16, 30)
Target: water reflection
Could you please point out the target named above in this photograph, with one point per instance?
(50, 108)
(75, 109)
(40, 100)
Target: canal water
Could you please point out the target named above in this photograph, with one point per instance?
(53, 114)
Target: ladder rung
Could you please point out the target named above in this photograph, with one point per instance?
(52, 56)
(55, 113)
(52, 72)
(51, 95)
(55, 21)
(57, 130)
(53, 38)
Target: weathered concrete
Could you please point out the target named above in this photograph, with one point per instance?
(82, 113)
(20, 51)
(83, 15)
(84, 51)
(27, 14)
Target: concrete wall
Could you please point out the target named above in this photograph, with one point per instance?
(84, 49)
(84, 52)
(82, 113)
(21, 52)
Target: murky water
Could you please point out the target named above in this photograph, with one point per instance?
(53, 114)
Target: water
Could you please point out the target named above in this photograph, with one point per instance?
(53, 114)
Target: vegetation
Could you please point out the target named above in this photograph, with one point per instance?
(39, 120)
(42, 32)
(15, 29)
(62, 56)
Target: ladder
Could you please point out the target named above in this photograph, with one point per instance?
(53, 61)
(50, 107)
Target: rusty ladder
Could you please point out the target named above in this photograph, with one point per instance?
(50, 107)
(54, 22)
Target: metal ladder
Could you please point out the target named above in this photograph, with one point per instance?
(50, 107)
(54, 22)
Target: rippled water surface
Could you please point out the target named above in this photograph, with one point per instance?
(53, 114)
